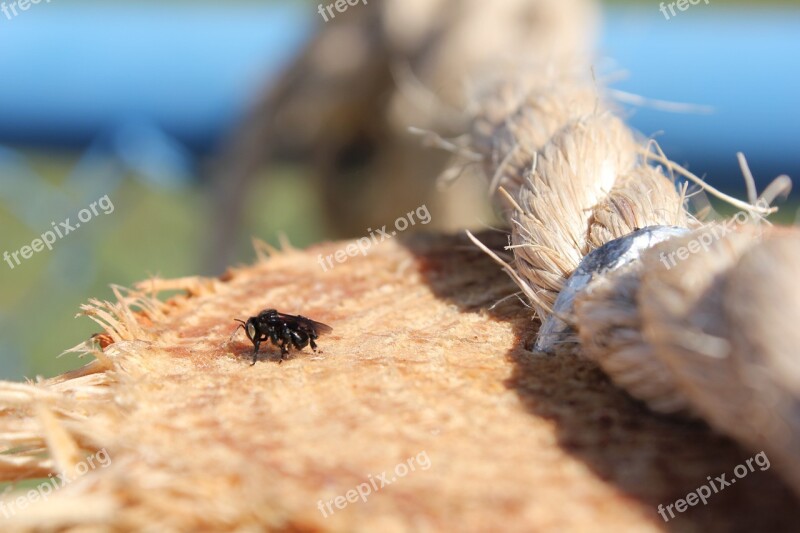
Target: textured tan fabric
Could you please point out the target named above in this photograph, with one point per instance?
(416, 364)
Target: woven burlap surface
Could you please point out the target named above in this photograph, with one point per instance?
(417, 366)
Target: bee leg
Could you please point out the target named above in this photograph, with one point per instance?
(256, 344)
(286, 338)
(284, 352)
(299, 339)
(312, 343)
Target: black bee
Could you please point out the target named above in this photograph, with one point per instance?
(283, 330)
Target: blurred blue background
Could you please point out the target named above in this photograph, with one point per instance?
(742, 62)
(82, 71)
(130, 101)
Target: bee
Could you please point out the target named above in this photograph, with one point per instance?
(283, 330)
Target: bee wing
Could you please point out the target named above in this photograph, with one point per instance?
(306, 323)
(321, 328)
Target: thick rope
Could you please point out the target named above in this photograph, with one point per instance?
(710, 334)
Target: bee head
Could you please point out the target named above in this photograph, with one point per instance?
(249, 328)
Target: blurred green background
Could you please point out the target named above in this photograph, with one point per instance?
(152, 231)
